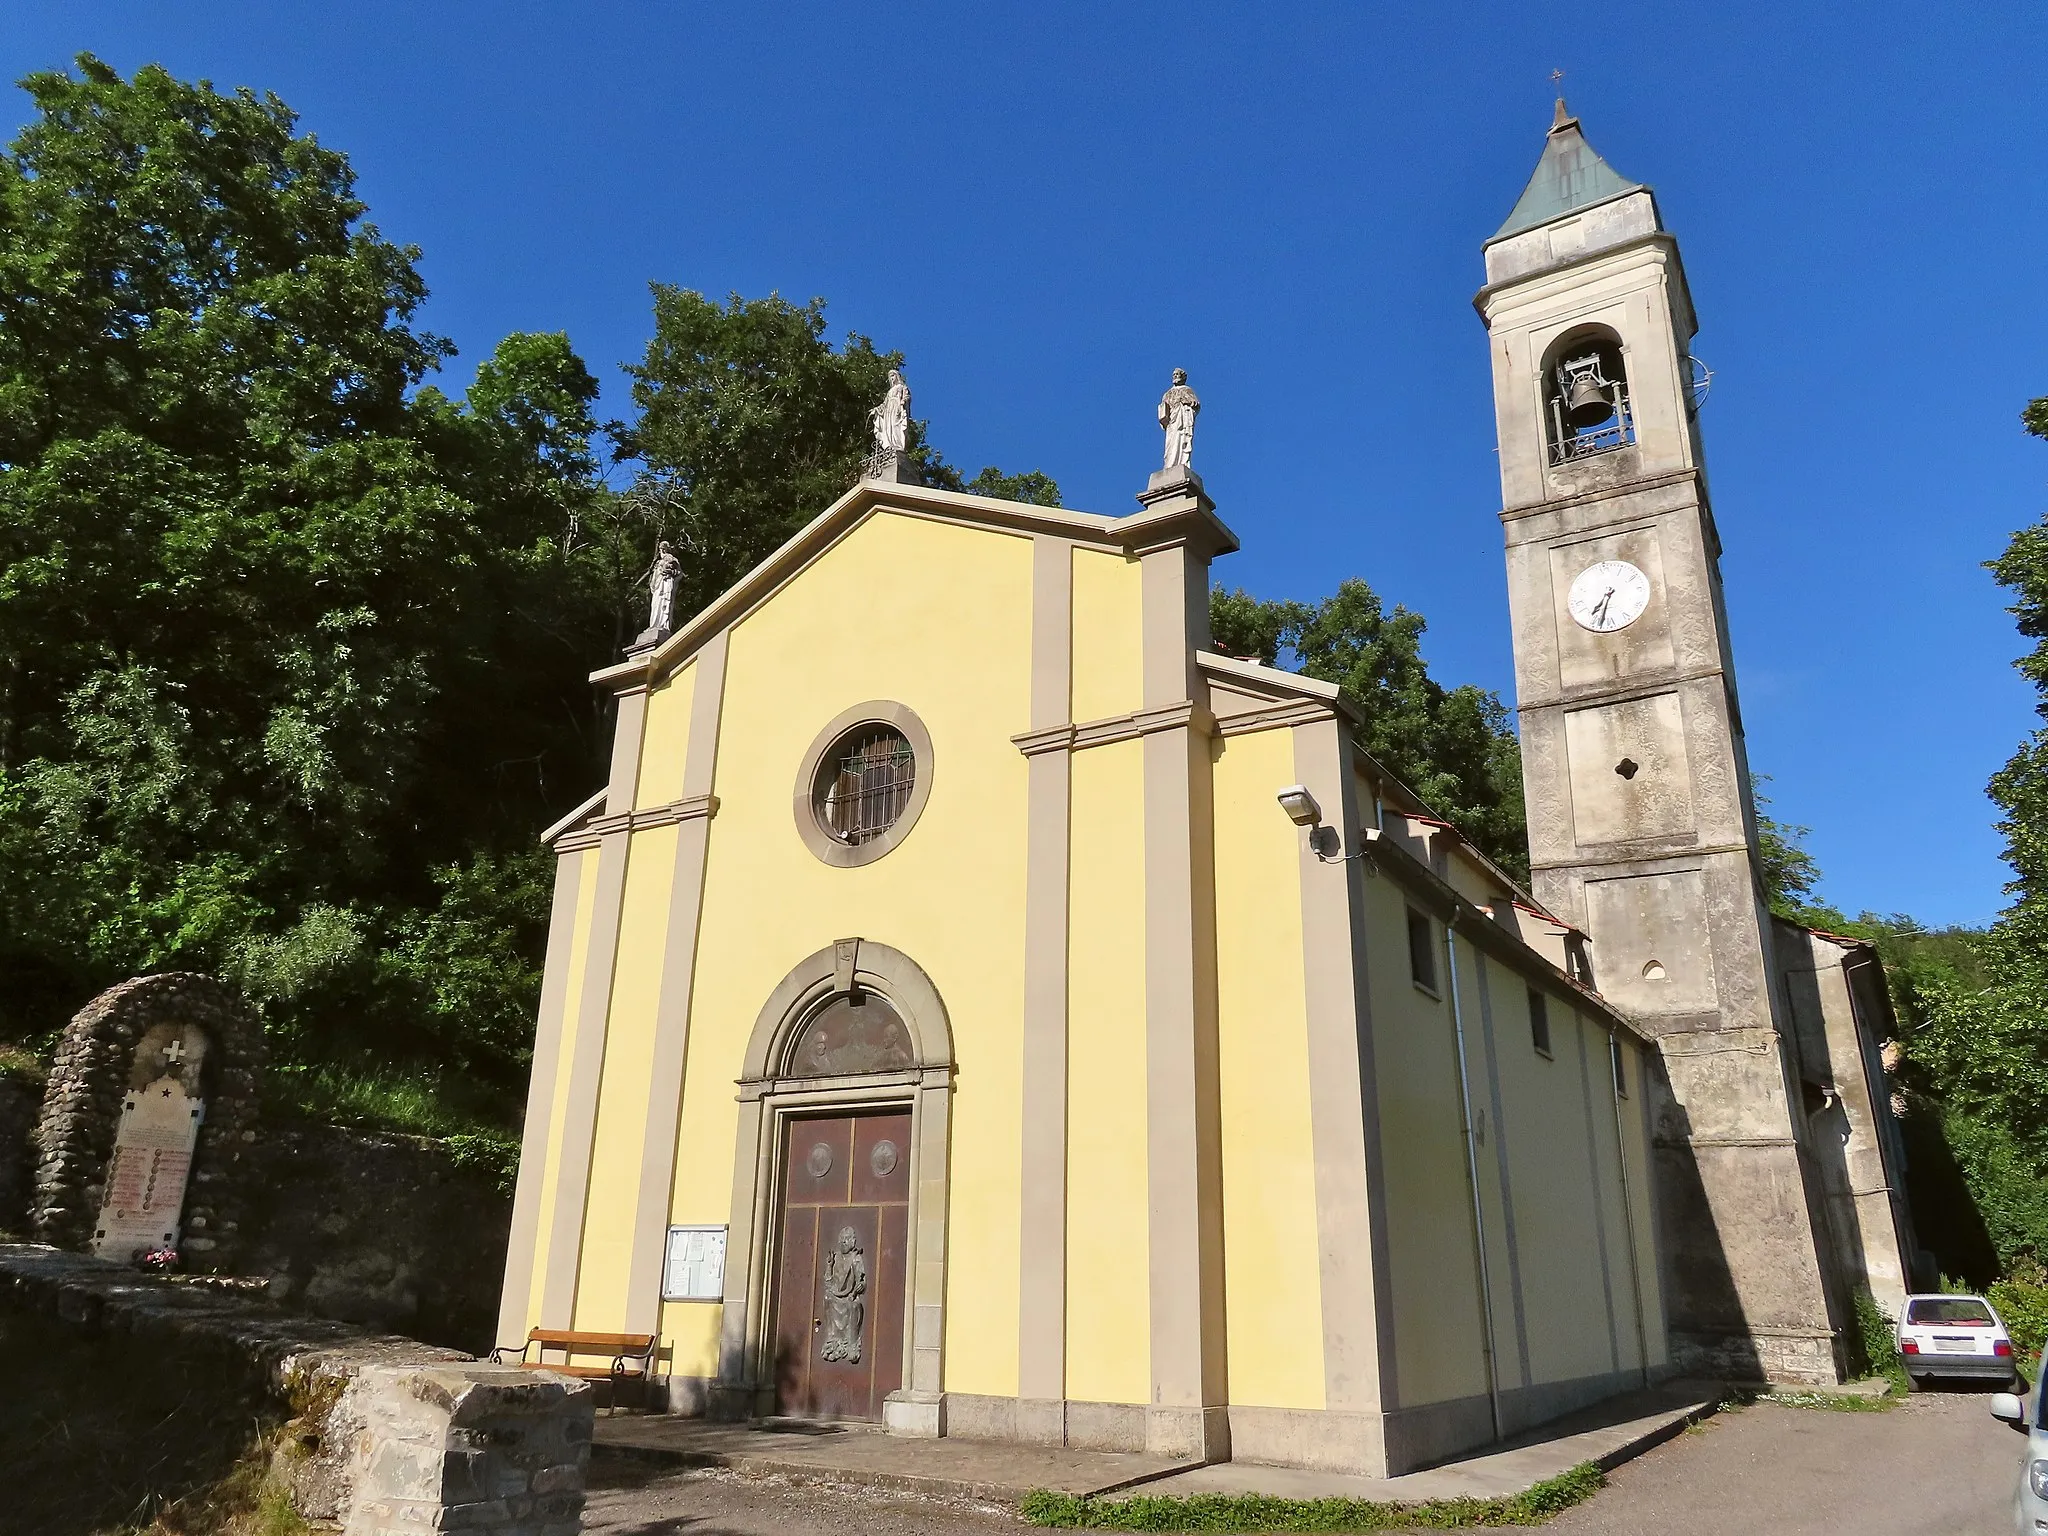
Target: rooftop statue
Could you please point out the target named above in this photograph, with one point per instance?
(1177, 410)
(662, 579)
(891, 419)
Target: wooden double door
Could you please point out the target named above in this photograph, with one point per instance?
(840, 1286)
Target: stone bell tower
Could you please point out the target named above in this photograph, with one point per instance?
(1642, 829)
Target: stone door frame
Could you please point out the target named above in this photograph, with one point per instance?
(768, 1098)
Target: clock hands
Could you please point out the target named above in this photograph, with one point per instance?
(1600, 608)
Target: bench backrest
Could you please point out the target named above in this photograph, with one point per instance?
(570, 1339)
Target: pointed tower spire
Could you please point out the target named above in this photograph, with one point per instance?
(1570, 176)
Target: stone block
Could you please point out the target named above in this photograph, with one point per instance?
(481, 1448)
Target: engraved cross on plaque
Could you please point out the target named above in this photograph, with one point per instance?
(174, 1052)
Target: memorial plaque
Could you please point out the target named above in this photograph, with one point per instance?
(144, 1205)
(695, 1270)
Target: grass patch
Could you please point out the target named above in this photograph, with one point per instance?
(1256, 1512)
(23, 1066)
(140, 1447)
(382, 1099)
(1830, 1402)
(468, 1121)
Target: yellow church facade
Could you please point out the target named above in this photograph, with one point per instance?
(976, 1006)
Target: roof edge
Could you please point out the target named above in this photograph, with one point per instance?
(1178, 521)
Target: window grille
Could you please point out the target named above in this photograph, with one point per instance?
(866, 783)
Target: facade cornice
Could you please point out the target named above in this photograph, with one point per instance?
(1185, 714)
(1636, 688)
(1184, 521)
(1648, 852)
(589, 808)
(1663, 239)
(1273, 717)
(598, 828)
(1626, 489)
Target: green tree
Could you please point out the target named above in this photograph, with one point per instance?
(292, 645)
(751, 422)
(1789, 873)
(1974, 1004)
(1454, 747)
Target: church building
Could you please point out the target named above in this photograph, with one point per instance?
(977, 1006)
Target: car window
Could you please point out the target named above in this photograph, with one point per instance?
(1940, 1311)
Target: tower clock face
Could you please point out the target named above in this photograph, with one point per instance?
(1609, 596)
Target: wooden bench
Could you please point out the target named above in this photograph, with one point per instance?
(631, 1357)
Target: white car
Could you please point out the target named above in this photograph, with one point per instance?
(1954, 1336)
(2030, 1498)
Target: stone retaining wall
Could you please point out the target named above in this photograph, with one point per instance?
(389, 1435)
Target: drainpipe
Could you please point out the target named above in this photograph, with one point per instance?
(1472, 1169)
(1628, 1204)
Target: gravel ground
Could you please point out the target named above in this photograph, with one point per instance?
(1936, 1465)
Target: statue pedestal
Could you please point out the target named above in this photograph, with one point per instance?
(1174, 478)
(890, 467)
(1174, 482)
(648, 639)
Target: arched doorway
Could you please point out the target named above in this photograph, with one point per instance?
(837, 1306)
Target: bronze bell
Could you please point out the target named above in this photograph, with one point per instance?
(1585, 403)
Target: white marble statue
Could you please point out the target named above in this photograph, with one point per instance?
(1177, 410)
(891, 419)
(661, 589)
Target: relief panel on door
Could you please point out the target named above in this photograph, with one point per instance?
(840, 1284)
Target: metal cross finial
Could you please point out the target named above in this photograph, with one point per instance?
(1557, 79)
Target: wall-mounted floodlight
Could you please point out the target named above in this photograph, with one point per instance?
(1303, 811)
(1300, 806)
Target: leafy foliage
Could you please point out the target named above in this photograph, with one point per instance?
(2021, 1301)
(1261, 1512)
(1454, 747)
(1789, 872)
(1970, 1003)
(1874, 1343)
(292, 647)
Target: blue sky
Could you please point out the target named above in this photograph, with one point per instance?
(1049, 207)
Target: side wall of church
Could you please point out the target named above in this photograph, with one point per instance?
(1438, 1325)
(1565, 1201)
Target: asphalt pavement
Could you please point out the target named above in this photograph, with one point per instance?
(1937, 1464)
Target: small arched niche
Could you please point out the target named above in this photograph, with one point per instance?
(1586, 405)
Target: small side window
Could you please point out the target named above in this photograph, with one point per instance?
(1539, 1022)
(1421, 951)
(1618, 1059)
